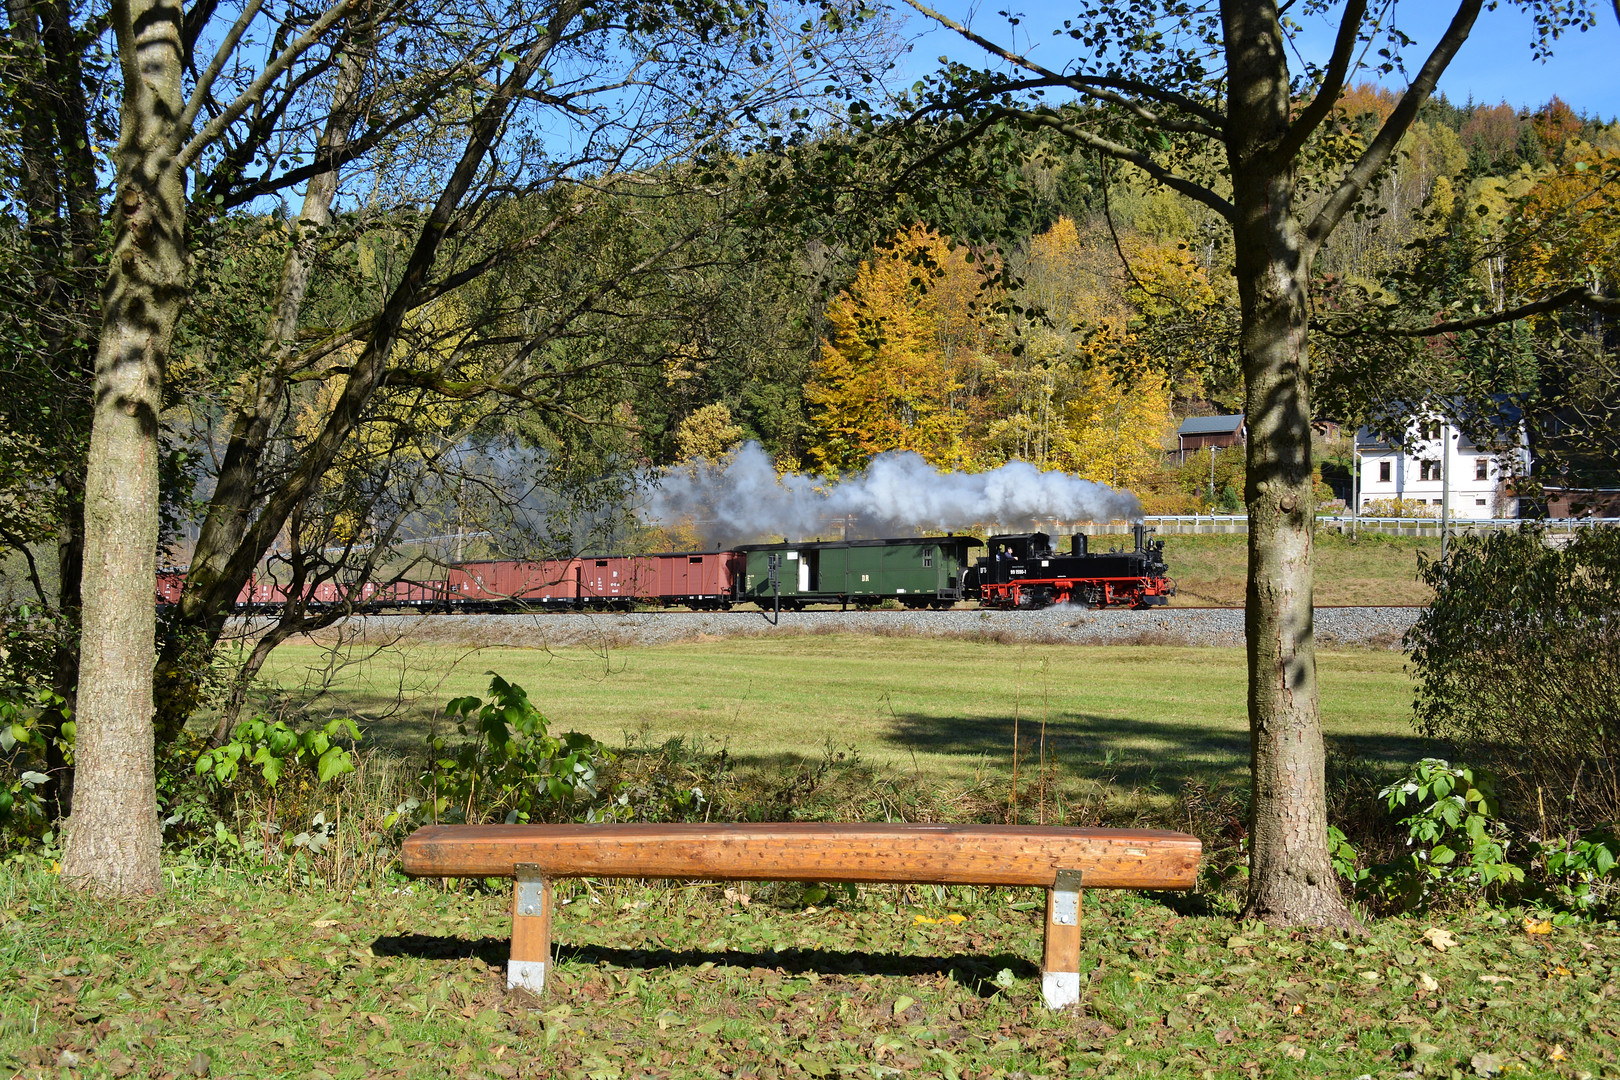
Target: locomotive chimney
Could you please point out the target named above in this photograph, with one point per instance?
(1139, 530)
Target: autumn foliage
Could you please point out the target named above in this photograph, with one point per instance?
(923, 355)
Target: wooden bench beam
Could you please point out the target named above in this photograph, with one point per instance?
(1059, 860)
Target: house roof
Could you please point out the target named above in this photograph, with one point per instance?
(1210, 425)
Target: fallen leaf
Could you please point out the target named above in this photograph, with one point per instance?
(902, 1003)
(1235, 942)
(957, 917)
(1531, 926)
(322, 924)
(1440, 939)
(1560, 970)
(1370, 976)
(1485, 1064)
(200, 1064)
(923, 919)
(1293, 1051)
(1417, 1049)
(1494, 979)
(1426, 983)
(1557, 1053)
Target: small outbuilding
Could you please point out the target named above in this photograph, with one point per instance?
(1198, 432)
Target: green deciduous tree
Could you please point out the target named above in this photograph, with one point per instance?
(1201, 98)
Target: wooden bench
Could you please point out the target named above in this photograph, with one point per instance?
(1057, 859)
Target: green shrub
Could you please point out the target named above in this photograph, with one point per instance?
(1518, 668)
(22, 752)
(1456, 841)
(1584, 872)
(507, 765)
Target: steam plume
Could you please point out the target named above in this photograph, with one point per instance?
(743, 499)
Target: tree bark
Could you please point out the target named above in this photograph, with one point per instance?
(113, 836)
(1291, 878)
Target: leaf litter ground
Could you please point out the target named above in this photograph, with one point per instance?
(225, 979)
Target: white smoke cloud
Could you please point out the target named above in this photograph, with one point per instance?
(744, 499)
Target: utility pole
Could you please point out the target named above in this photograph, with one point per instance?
(1355, 480)
(1445, 486)
(1212, 486)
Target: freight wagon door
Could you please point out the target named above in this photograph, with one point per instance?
(804, 571)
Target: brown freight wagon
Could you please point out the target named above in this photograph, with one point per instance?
(501, 584)
(702, 580)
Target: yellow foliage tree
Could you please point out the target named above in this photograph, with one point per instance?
(707, 434)
(902, 366)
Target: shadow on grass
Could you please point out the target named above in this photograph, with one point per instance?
(976, 971)
(1124, 751)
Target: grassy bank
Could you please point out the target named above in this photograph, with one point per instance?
(1137, 715)
(226, 975)
(1371, 570)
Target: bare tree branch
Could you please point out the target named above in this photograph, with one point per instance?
(1579, 295)
(1389, 136)
(1124, 153)
(256, 89)
(1327, 95)
(222, 55)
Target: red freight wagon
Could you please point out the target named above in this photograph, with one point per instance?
(170, 584)
(431, 595)
(702, 580)
(511, 583)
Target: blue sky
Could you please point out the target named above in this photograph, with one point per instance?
(1495, 64)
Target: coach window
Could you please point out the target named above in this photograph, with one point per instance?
(1383, 472)
(928, 558)
(1482, 468)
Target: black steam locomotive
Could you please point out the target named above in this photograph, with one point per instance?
(1024, 571)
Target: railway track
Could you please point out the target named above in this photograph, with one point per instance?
(1336, 626)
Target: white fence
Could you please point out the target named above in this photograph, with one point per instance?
(1182, 524)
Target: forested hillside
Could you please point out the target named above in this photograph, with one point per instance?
(1072, 317)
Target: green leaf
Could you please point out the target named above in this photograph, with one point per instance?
(335, 762)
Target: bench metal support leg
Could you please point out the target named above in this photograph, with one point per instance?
(531, 930)
(1060, 962)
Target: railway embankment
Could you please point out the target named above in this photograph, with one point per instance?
(1336, 627)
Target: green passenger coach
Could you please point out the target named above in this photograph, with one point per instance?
(923, 571)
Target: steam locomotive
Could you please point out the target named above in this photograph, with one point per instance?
(1021, 571)
(1024, 571)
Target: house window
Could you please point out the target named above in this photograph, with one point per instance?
(1482, 469)
(1383, 472)
(1431, 429)
(1428, 470)
(1479, 502)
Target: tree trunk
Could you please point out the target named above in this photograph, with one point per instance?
(113, 836)
(1291, 878)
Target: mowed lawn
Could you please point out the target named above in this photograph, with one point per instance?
(1139, 714)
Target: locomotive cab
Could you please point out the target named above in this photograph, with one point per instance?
(1011, 555)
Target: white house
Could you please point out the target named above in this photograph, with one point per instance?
(1439, 461)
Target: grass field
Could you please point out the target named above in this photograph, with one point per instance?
(1144, 715)
(1372, 570)
(262, 969)
(229, 975)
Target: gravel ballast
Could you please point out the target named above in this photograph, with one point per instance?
(1354, 627)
